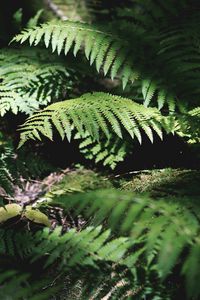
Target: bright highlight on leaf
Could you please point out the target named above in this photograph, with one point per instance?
(9, 211)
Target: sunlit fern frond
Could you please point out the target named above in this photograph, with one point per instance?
(107, 51)
(96, 113)
(172, 56)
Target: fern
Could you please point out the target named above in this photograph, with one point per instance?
(16, 244)
(94, 112)
(87, 251)
(160, 230)
(176, 57)
(110, 151)
(188, 126)
(123, 245)
(99, 47)
(138, 237)
(29, 80)
(16, 285)
(172, 58)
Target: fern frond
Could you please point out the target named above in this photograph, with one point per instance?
(95, 113)
(16, 244)
(160, 230)
(110, 151)
(100, 47)
(188, 126)
(191, 271)
(30, 79)
(92, 281)
(17, 285)
(172, 57)
(141, 235)
(88, 251)
(84, 248)
(116, 56)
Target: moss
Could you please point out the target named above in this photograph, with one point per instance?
(165, 182)
(173, 185)
(81, 180)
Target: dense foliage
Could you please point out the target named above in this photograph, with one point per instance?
(108, 77)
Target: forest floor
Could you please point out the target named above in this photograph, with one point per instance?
(172, 185)
(157, 182)
(165, 183)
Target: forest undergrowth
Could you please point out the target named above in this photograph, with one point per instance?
(99, 150)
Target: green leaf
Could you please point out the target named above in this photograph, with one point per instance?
(9, 211)
(36, 216)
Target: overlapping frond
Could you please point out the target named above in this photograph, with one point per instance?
(86, 253)
(141, 235)
(30, 79)
(172, 57)
(96, 113)
(109, 151)
(16, 244)
(188, 126)
(161, 230)
(108, 52)
(17, 285)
